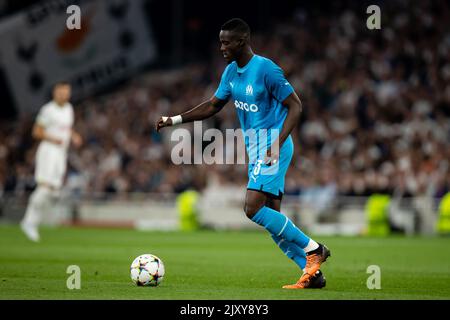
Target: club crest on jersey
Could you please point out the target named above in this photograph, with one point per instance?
(249, 90)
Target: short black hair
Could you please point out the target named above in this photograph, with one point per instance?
(61, 83)
(236, 25)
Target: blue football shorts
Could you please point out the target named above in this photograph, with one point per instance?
(270, 179)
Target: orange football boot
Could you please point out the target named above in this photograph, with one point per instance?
(318, 281)
(313, 262)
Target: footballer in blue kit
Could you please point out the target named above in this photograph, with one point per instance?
(268, 110)
(257, 91)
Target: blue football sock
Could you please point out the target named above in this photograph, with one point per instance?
(281, 226)
(292, 251)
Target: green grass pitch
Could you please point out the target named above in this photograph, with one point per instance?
(215, 265)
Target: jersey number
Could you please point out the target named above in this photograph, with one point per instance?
(257, 167)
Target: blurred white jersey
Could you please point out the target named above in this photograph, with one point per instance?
(51, 159)
(57, 121)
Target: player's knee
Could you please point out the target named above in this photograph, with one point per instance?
(40, 196)
(251, 209)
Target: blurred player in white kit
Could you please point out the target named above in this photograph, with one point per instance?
(53, 128)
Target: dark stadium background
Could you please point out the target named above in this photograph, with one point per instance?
(186, 29)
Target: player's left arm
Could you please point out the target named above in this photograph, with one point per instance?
(281, 90)
(294, 106)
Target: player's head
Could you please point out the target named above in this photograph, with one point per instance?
(61, 92)
(234, 38)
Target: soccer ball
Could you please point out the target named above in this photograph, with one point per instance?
(147, 270)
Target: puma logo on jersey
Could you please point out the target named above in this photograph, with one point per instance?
(245, 106)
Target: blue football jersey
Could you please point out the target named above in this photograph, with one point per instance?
(257, 91)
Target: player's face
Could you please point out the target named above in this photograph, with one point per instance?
(61, 94)
(230, 45)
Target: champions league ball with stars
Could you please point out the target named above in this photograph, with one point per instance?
(147, 270)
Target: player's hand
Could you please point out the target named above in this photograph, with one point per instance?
(163, 122)
(54, 140)
(272, 156)
(76, 140)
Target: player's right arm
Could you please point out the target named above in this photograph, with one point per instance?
(43, 120)
(40, 134)
(203, 111)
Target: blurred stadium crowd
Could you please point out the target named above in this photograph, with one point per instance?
(376, 113)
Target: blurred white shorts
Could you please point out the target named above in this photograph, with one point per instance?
(51, 164)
